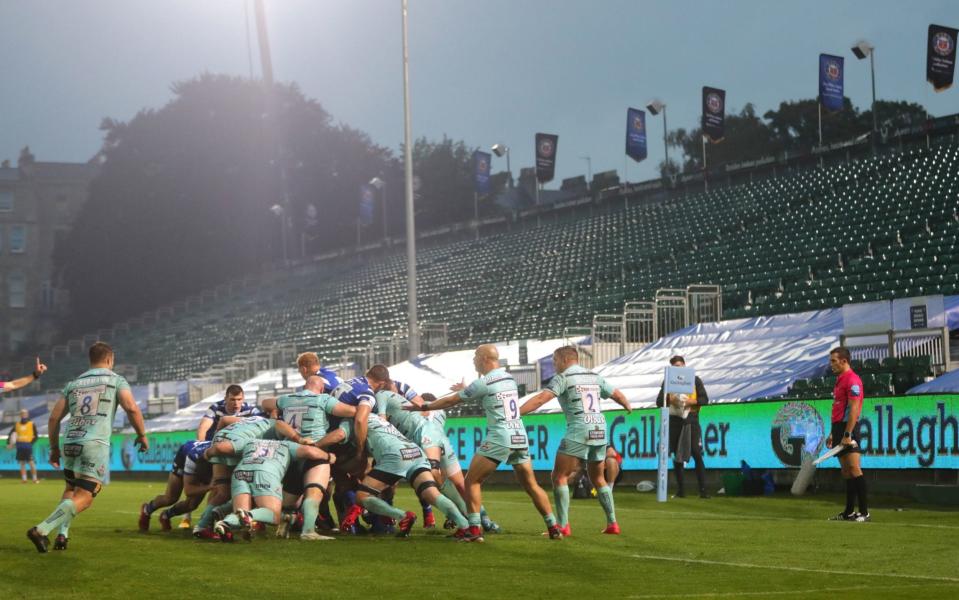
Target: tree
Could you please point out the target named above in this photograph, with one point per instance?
(445, 173)
(182, 199)
(795, 125)
(747, 137)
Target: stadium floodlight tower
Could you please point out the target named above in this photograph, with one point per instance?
(414, 331)
(500, 150)
(862, 49)
(381, 186)
(655, 107)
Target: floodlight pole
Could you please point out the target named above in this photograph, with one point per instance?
(665, 138)
(705, 178)
(266, 65)
(872, 73)
(414, 334)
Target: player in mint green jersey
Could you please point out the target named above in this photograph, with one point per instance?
(308, 412)
(395, 458)
(257, 483)
(224, 454)
(91, 401)
(505, 436)
(579, 391)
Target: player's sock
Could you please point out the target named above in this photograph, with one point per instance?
(449, 490)
(65, 511)
(474, 519)
(605, 497)
(65, 528)
(265, 515)
(175, 510)
(860, 483)
(378, 506)
(149, 508)
(549, 519)
(232, 520)
(449, 509)
(850, 496)
(206, 519)
(561, 495)
(311, 508)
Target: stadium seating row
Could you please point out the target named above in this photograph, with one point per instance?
(874, 229)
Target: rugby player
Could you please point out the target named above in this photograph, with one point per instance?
(379, 376)
(197, 475)
(579, 392)
(174, 487)
(454, 484)
(306, 412)
(224, 455)
(846, 410)
(505, 438)
(232, 405)
(91, 400)
(257, 483)
(395, 458)
(308, 364)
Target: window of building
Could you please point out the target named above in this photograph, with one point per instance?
(6, 200)
(17, 338)
(47, 295)
(17, 290)
(18, 239)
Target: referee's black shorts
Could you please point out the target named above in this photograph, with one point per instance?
(838, 429)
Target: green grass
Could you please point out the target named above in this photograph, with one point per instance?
(780, 547)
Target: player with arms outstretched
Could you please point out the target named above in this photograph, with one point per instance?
(579, 391)
(91, 400)
(505, 440)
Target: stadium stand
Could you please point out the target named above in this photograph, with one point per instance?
(878, 228)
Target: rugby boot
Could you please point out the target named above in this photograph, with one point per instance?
(406, 524)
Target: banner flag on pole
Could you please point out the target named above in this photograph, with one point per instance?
(635, 134)
(367, 203)
(831, 74)
(714, 115)
(546, 156)
(481, 171)
(941, 56)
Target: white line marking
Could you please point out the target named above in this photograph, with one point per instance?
(778, 593)
(799, 569)
(715, 516)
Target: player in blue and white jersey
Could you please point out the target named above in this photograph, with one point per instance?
(174, 487)
(232, 405)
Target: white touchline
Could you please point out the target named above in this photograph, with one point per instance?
(786, 568)
(779, 592)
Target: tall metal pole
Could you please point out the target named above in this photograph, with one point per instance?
(414, 333)
(266, 65)
(705, 178)
(509, 171)
(872, 72)
(385, 233)
(665, 138)
(819, 106)
(476, 212)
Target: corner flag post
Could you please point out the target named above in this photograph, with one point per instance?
(676, 380)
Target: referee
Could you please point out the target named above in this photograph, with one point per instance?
(684, 421)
